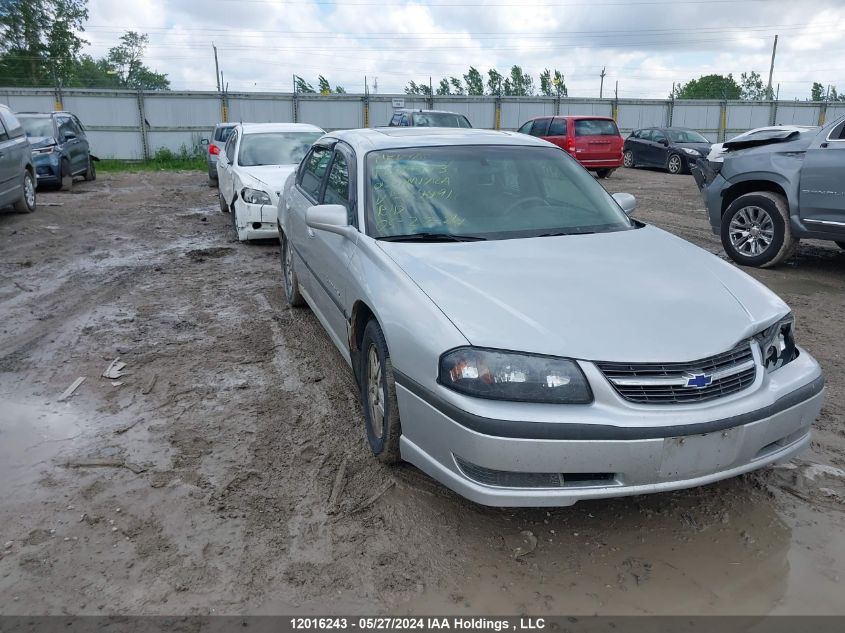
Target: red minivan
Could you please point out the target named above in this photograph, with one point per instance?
(594, 141)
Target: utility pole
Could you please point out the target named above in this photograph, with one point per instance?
(601, 88)
(216, 67)
(375, 85)
(769, 92)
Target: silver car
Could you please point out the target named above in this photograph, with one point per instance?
(517, 336)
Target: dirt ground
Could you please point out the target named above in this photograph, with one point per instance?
(199, 482)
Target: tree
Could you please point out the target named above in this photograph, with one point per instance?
(521, 85)
(339, 90)
(817, 92)
(710, 87)
(127, 60)
(39, 41)
(417, 89)
(752, 88)
(495, 84)
(546, 88)
(443, 88)
(560, 84)
(324, 86)
(474, 82)
(301, 86)
(94, 73)
(457, 85)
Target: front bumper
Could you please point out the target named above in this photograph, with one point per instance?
(47, 168)
(577, 455)
(256, 221)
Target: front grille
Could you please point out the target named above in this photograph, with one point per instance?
(513, 479)
(666, 383)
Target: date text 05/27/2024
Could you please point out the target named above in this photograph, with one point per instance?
(418, 623)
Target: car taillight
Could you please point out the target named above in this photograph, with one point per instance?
(213, 149)
(570, 145)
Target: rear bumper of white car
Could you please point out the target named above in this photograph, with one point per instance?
(556, 463)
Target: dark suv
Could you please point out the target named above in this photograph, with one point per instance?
(60, 147)
(17, 175)
(428, 118)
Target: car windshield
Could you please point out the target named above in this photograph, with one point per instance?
(686, 136)
(485, 191)
(440, 119)
(37, 126)
(275, 148)
(595, 127)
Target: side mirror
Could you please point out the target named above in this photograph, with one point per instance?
(626, 201)
(665, 142)
(328, 217)
(69, 136)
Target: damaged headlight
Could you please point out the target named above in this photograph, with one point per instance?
(513, 376)
(254, 196)
(777, 343)
(690, 151)
(48, 149)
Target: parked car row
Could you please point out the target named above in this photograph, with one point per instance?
(550, 376)
(37, 149)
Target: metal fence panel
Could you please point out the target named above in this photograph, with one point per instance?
(116, 144)
(798, 114)
(632, 116)
(481, 111)
(381, 107)
(176, 141)
(331, 113)
(835, 111)
(249, 109)
(181, 111)
(98, 112)
(746, 116)
(516, 111)
(28, 103)
(703, 117)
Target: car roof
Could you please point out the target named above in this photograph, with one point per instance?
(260, 128)
(574, 117)
(44, 114)
(420, 110)
(368, 139)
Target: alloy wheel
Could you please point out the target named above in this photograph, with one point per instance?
(751, 231)
(628, 159)
(375, 392)
(29, 191)
(288, 269)
(675, 164)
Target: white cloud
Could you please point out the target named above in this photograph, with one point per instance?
(646, 48)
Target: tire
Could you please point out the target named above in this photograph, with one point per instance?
(378, 396)
(233, 215)
(212, 182)
(604, 173)
(628, 159)
(67, 177)
(675, 164)
(224, 208)
(26, 204)
(290, 283)
(91, 172)
(769, 214)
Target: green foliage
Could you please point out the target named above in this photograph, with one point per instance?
(443, 88)
(418, 89)
(323, 85)
(752, 88)
(164, 159)
(518, 84)
(710, 87)
(39, 43)
(560, 84)
(817, 93)
(457, 85)
(126, 60)
(474, 82)
(301, 86)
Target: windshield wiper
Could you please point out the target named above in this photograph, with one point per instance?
(558, 234)
(432, 237)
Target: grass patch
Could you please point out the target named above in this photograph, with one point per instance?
(163, 160)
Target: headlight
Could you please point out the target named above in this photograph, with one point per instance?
(44, 150)
(690, 151)
(777, 343)
(513, 376)
(254, 196)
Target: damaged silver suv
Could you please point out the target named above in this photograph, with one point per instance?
(767, 189)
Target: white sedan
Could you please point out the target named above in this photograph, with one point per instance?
(253, 167)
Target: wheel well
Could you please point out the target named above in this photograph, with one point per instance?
(750, 186)
(361, 315)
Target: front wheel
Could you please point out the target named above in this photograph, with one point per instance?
(604, 173)
(67, 177)
(675, 165)
(224, 208)
(291, 283)
(628, 158)
(378, 395)
(755, 230)
(26, 204)
(91, 172)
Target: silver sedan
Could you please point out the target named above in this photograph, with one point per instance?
(519, 337)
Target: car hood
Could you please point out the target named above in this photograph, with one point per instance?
(41, 141)
(632, 296)
(272, 176)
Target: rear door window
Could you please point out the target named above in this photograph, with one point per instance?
(540, 127)
(222, 134)
(313, 170)
(558, 127)
(11, 123)
(595, 127)
(658, 137)
(230, 147)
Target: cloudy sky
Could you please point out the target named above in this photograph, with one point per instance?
(645, 45)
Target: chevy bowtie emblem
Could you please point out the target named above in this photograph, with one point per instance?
(698, 381)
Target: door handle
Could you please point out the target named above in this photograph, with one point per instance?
(823, 145)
